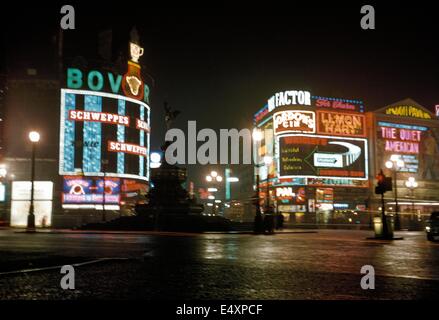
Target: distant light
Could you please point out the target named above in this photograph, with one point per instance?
(214, 174)
(34, 136)
(211, 197)
(219, 178)
(209, 204)
(156, 157)
(233, 179)
(217, 201)
(155, 165)
(257, 134)
(389, 164)
(208, 178)
(212, 189)
(268, 160)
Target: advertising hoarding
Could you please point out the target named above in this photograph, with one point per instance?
(294, 121)
(97, 126)
(316, 156)
(20, 203)
(341, 124)
(90, 190)
(417, 146)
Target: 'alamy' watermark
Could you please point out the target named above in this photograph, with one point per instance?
(368, 281)
(68, 281)
(234, 146)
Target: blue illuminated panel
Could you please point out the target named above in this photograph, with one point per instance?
(121, 138)
(91, 160)
(69, 134)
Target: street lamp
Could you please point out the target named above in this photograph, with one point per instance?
(3, 175)
(411, 184)
(258, 225)
(34, 137)
(395, 164)
(213, 177)
(268, 161)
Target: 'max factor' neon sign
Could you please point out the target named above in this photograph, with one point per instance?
(96, 81)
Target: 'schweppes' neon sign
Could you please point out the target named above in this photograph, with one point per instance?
(78, 115)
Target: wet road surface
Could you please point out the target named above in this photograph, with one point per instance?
(322, 265)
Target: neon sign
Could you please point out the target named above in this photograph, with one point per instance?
(408, 111)
(90, 190)
(401, 140)
(96, 81)
(115, 146)
(78, 115)
(341, 124)
(288, 98)
(294, 121)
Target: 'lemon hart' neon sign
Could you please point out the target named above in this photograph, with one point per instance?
(96, 81)
(408, 111)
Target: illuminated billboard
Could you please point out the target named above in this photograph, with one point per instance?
(105, 121)
(408, 142)
(102, 131)
(341, 124)
(20, 203)
(294, 121)
(316, 156)
(90, 190)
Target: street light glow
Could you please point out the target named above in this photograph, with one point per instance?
(34, 136)
(257, 134)
(208, 178)
(268, 160)
(219, 178)
(389, 164)
(214, 174)
(400, 163)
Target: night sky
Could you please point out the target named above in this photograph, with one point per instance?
(218, 64)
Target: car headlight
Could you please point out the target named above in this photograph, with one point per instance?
(427, 229)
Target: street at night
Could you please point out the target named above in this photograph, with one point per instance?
(302, 264)
(214, 161)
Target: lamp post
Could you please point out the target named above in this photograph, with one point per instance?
(34, 137)
(268, 160)
(395, 164)
(258, 224)
(214, 178)
(3, 175)
(411, 184)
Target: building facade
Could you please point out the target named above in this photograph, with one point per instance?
(317, 158)
(92, 161)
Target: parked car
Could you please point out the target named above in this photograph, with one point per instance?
(432, 227)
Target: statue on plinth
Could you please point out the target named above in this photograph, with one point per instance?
(168, 198)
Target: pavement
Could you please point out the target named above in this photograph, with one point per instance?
(291, 265)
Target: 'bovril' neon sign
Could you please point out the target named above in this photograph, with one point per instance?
(96, 81)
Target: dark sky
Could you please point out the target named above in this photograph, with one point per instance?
(218, 64)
